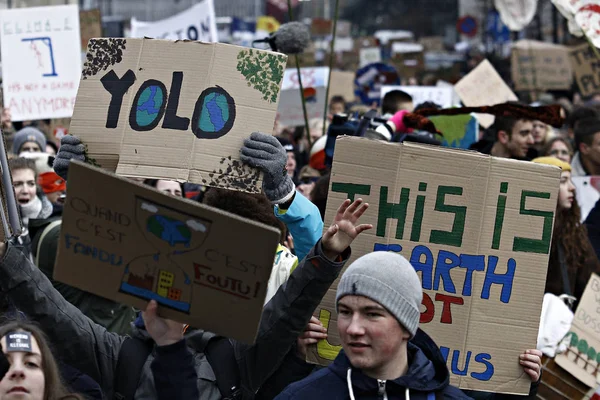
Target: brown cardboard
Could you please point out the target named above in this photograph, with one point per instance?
(582, 358)
(494, 331)
(90, 25)
(244, 81)
(119, 237)
(541, 66)
(586, 66)
(342, 84)
(321, 27)
(432, 43)
(483, 86)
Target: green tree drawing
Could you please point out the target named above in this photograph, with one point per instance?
(263, 71)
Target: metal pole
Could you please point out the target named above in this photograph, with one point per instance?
(331, 56)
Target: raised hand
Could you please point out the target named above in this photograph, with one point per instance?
(70, 148)
(164, 331)
(345, 228)
(313, 332)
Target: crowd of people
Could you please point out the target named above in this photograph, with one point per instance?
(59, 342)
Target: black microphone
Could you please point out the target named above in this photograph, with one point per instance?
(291, 38)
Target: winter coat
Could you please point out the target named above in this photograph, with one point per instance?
(427, 378)
(94, 351)
(174, 373)
(303, 219)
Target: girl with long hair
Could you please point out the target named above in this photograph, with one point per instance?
(570, 244)
(33, 371)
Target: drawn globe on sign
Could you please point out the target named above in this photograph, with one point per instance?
(214, 114)
(169, 230)
(148, 106)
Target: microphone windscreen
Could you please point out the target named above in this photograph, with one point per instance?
(292, 38)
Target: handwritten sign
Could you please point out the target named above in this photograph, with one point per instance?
(133, 244)
(41, 61)
(196, 23)
(176, 110)
(541, 66)
(477, 229)
(582, 358)
(314, 82)
(587, 69)
(483, 86)
(90, 22)
(369, 55)
(441, 96)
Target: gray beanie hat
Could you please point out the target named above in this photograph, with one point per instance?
(388, 279)
(28, 134)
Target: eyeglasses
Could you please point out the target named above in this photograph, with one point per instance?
(560, 152)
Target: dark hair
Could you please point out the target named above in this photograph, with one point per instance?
(153, 182)
(427, 104)
(319, 194)
(255, 207)
(585, 129)
(506, 124)
(51, 144)
(580, 113)
(392, 100)
(17, 163)
(54, 389)
(337, 99)
(550, 143)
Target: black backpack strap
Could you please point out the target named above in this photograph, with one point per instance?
(221, 356)
(132, 357)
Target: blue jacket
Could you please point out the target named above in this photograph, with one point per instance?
(427, 379)
(174, 373)
(304, 222)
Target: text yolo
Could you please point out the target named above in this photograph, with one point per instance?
(212, 118)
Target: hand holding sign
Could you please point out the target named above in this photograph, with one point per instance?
(344, 229)
(164, 331)
(531, 360)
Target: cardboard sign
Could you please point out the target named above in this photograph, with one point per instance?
(321, 27)
(582, 358)
(441, 96)
(483, 86)
(90, 23)
(314, 82)
(196, 23)
(587, 69)
(476, 228)
(176, 109)
(131, 244)
(369, 55)
(342, 84)
(541, 66)
(41, 61)
(343, 28)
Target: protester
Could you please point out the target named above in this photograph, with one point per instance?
(319, 194)
(337, 105)
(587, 146)
(291, 164)
(513, 139)
(33, 205)
(53, 186)
(384, 353)
(571, 251)
(560, 148)
(29, 139)
(301, 217)
(307, 178)
(51, 148)
(577, 115)
(173, 188)
(173, 367)
(541, 134)
(394, 101)
(33, 372)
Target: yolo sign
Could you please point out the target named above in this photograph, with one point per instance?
(176, 110)
(476, 229)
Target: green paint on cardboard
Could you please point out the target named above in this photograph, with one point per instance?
(263, 71)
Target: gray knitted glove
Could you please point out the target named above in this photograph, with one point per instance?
(70, 148)
(264, 152)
